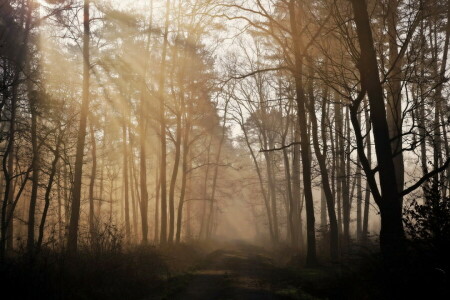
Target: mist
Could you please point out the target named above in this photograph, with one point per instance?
(224, 149)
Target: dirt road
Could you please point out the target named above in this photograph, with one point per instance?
(238, 272)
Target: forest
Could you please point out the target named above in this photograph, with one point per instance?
(224, 149)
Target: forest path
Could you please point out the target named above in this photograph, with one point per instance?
(240, 271)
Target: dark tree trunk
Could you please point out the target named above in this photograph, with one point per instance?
(392, 234)
(365, 225)
(48, 190)
(35, 177)
(311, 257)
(394, 95)
(125, 183)
(72, 241)
(296, 195)
(321, 158)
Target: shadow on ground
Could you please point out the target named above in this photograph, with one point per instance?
(239, 271)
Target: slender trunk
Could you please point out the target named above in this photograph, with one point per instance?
(133, 186)
(111, 200)
(48, 190)
(439, 126)
(143, 197)
(311, 257)
(163, 236)
(209, 226)
(292, 233)
(205, 193)
(35, 177)
(321, 158)
(261, 184)
(185, 164)
(143, 175)
(8, 169)
(365, 225)
(358, 197)
(157, 201)
(125, 183)
(72, 241)
(338, 164)
(60, 218)
(271, 194)
(296, 195)
(173, 180)
(394, 95)
(345, 172)
(92, 229)
(188, 208)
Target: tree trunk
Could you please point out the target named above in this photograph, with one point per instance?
(394, 95)
(358, 197)
(173, 180)
(157, 200)
(72, 241)
(216, 173)
(321, 158)
(392, 234)
(185, 164)
(311, 258)
(264, 193)
(365, 226)
(125, 183)
(35, 178)
(296, 195)
(92, 229)
(48, 190)
(133, 186)
(163, 236)
(202, 232)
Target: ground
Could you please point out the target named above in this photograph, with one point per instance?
(238, 271)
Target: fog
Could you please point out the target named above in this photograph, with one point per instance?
(224, 149)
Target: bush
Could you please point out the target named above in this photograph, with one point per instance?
(427, 222)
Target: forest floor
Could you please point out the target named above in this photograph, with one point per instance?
(214, 271)
(239, 271)
(233, 273)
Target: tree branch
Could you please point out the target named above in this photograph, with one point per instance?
(280, 148)
(425, 178)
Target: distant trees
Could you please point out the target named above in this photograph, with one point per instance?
(141, 85)
(336, 52)
(312, 108)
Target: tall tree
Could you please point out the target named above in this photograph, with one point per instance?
(311, 256)
(72, 241)
(162, 132)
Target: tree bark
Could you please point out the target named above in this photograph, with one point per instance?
(48, 190)
(311, 257)
(185, 164)
(321, 159)
(35, 177)
(126, 183)
(173, 180)
(92, 229)
(163, 235)
(72, 241)
(392, 233)
(394, 95)
(365, 225)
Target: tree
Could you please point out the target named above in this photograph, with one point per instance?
(72, 241)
